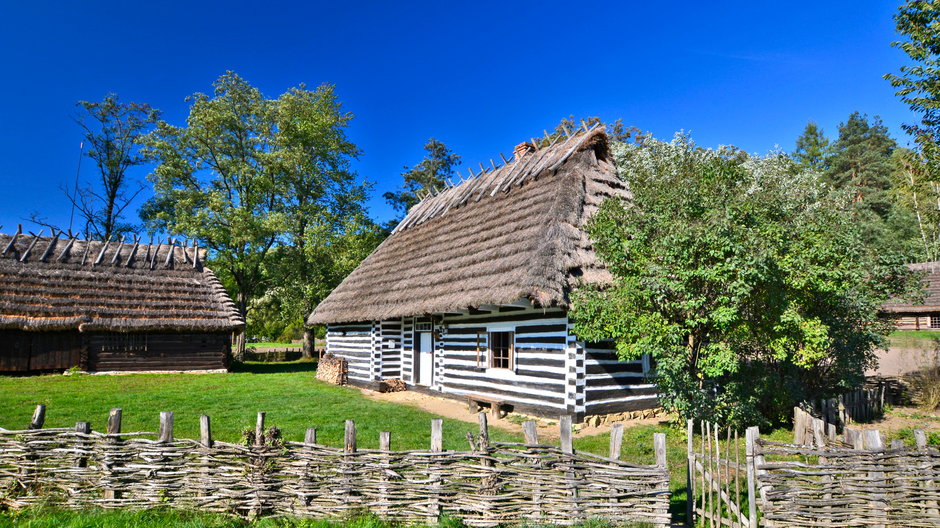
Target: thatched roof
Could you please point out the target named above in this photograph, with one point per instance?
(513, 233)
(931, 271)
(51, 283)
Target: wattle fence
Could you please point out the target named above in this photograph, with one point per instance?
(487, 485)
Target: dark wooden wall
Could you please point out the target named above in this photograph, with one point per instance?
(165, 351)
(39, 351)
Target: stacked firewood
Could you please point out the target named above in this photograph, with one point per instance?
(332, 369)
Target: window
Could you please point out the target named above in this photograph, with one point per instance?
(935, 321)
(501, 350)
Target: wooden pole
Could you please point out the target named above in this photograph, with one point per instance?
(310, 437)
(750, 439)
(350, 437)
(114, 422)
(259, 429)
(165, 434)
(531, 432)
(616, 441)
(437, 435)
(385, 440)
(114, 428)
(873, 442)
(659, 447)
(564, 432)
(39, 417)
(205, 430)
(85, 429)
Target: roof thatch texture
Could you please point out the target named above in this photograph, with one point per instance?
(51, 283)
(513, 233)
(931, 271)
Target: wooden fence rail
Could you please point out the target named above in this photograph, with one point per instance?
(487, 485)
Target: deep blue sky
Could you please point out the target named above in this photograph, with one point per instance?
(479, 76)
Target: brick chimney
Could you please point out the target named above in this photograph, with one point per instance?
(522, 149)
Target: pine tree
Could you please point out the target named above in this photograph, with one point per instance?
(812, 148)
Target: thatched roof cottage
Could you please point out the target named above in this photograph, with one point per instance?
(924, 315)
(469, 295)
(110, 306)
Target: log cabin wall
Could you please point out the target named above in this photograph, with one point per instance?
(391, 344)
(612, 385)
(157, 351)
(22, 351)
(919, 321)
(352, 341)
(538, 378)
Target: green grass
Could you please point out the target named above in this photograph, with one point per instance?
(915, 338)
(288, 392)
(272, 344)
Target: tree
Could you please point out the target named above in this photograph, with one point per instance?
(812, 148)
(744, 277)
(918, 84)
(247, 175)
(916, 191)
(429, 174)
(114, 132)
(861, 163)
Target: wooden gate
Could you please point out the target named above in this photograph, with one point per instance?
(720, 478)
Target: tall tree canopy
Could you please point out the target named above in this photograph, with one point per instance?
(812, 148)
(114, 132)
(429, 174)
(255, 180)
(918, 84)
(744, 277)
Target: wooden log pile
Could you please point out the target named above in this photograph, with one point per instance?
(332, 369)
(487, 485)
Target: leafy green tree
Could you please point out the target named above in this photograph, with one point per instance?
(918, 193)
(248, 176)
(114, 132)
(918, 84)
(429, 174)
(746, 280)
(812, 148)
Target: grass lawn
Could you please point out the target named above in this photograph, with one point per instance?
(288, 392)
(272, 344)
(928, 339)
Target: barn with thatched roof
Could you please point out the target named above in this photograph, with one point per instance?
(468, 297)
(110, 306)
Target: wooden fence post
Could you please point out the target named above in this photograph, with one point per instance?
(205, 430)
(873, 442)
(310, 437)
(385, 445)
(83, 428)
(165, 434)
(751, 436)
(39, 417)
(489, 483)
(690, 475)
(349, 437)
(434, 473)
(616, 441)
(531, 432)
(564, 433)
(920, 440)
(259, 429)
(659, 447)
(114, 428)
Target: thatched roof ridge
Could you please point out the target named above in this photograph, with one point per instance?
(50, 283)
(931, 271)
(514, 233)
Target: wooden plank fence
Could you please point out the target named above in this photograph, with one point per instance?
(492, 483)
(717, 475)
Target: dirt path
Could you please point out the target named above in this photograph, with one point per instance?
(457, 410)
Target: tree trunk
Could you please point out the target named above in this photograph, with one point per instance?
(308, 343)
(240, 346)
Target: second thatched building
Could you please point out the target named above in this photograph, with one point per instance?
(468, 297)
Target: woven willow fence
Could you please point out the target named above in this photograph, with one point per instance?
(492, 483)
